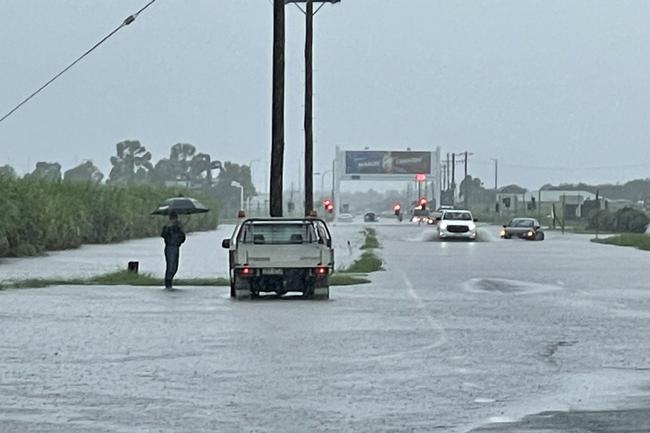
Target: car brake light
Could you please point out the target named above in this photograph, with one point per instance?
(321, 271)
(246, 271)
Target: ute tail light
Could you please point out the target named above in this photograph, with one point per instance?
(321, 271)
(246, 271)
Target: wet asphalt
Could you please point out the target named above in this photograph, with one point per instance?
(490, 336)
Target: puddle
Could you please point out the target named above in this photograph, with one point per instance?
(505, 286)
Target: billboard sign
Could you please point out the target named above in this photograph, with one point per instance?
(387, 162)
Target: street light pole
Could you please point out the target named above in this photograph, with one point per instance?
(241, 193)
(250, 168)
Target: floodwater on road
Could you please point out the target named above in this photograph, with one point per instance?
(201, 257)
(452, 336)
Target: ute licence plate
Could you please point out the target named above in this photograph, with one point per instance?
(272, 271)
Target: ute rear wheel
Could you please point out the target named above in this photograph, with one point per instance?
(319, 289)
(242, 289)
(321, 293)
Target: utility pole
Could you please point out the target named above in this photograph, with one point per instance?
(277, 110)
(465, 189)
(447, 169)
(496, 173)
(453, 178)
(309, 91)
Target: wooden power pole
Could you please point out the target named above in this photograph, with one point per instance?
(277, 109)
(309, 90)
(465, 184)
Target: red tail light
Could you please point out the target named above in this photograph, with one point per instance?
(321, 271)
(246, 271)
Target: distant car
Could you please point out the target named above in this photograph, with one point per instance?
(457, 224)
(524, 228)
(345, 218)
(438, 212)
(420, 216)
(370, 217)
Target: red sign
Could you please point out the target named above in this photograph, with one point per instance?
(420, 177)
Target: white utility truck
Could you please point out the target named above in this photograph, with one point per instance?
(280, 255)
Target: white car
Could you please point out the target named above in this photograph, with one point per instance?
(457, 224)
(345, 218)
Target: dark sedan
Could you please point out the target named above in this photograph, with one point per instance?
(524, 228)
(370, 217)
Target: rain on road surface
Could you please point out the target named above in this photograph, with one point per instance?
(450, 337)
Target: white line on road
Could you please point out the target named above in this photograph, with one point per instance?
(423, 308)
(439, 330)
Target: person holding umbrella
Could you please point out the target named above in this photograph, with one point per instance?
(173, 233)
(174, 237)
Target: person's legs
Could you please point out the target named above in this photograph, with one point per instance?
(171, 257)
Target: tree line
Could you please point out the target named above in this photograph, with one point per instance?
(133, 165)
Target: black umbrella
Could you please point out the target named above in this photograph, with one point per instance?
(180, 206)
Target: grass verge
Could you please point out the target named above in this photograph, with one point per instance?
(339, 279)
(369, 261)
(124, 278)
(637, 240)
(118, 278)
(371, 241)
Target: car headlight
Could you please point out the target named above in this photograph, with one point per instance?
(443, 225)
(472, 226)
(531, 234)
(503, 232)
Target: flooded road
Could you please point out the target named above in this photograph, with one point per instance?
(201, 257)
(452, 336)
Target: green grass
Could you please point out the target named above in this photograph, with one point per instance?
(368, 262)
(125, 278)
(637, 240)
(40, 215)
(370, 241)
(339, 279)
(118, 278)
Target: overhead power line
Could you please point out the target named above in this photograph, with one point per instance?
(563, 168)
(128, 20)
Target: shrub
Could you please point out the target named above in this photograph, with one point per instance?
(628, 220)
(631, 220)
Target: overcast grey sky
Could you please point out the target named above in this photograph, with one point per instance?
(541, 85)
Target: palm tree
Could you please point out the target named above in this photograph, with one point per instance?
(131, 165)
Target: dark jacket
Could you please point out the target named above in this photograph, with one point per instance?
(173, 235)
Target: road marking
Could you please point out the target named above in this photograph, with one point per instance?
(423, 308)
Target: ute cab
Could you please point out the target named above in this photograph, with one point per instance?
(280, 255)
